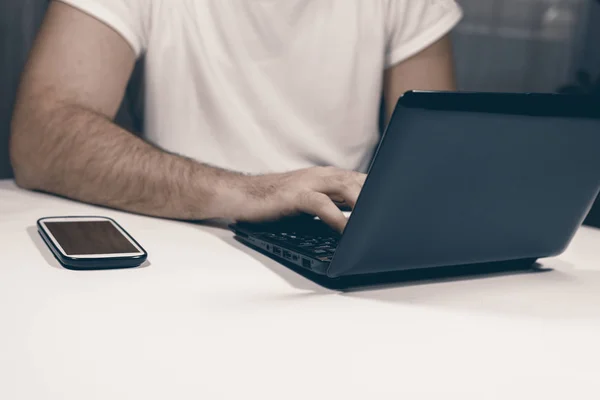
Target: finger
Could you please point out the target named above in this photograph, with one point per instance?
(337, 184)
(341, 205)
(349, 193)
(346, 187)
(337, 199)
(320, 205)
(360, 178)
(356, 188)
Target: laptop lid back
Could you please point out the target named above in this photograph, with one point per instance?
(463, 178)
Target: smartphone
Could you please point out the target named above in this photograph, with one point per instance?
(90, 243)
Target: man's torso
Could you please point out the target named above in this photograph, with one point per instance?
(269, 85)
(263, 86)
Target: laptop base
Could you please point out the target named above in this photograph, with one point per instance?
(406, 277)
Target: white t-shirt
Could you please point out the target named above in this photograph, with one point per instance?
(270, 85)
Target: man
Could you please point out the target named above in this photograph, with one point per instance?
(255, 109)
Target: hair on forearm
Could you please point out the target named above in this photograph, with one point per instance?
(83, 155)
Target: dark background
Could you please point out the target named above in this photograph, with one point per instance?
(501, 45)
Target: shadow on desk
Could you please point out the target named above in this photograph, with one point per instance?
(551, 289)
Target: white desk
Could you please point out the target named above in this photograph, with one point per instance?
(207, 318)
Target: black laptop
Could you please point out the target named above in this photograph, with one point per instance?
(458, 179)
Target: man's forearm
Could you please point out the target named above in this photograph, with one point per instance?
(79, 154)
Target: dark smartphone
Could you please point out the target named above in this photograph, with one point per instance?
(90, 243)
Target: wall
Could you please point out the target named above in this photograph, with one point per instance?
(519, 45)
(589, 55)
(19, 20)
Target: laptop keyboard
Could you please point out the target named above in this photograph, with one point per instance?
(315, 246)
(305, 236)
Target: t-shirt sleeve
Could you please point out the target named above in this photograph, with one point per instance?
(129, 18)
(414, 25)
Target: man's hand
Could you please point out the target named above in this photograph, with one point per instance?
(313, 191)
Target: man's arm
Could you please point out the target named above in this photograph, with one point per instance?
(431, 69)
(63, 141)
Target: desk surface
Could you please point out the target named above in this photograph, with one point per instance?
(207, 318)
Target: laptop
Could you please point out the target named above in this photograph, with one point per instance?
(457, 179)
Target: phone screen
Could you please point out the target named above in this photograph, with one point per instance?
(90, 237)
